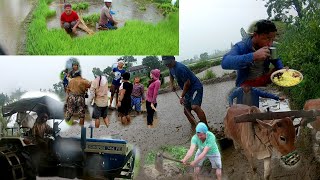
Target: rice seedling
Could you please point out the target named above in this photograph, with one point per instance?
(91, 19)
(80, 6)
(135, 38)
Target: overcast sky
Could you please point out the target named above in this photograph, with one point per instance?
(205, 26)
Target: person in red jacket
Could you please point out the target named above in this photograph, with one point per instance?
(69, 19)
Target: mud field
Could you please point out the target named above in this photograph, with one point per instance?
(172, 128)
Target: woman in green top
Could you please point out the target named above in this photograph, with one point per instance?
(207, 148)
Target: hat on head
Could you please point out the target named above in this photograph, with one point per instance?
(168, 59)
(202, 128)
(110, 1)
(156, 73)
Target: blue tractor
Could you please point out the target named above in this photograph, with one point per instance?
(56, 156)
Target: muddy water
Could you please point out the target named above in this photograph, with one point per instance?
(12, 13)
(124, 10)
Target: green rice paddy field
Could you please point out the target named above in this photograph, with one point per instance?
(135, 38)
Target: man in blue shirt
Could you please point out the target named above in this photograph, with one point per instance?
(192, 89)
(114, 89)
(251, 57)
(250, 96)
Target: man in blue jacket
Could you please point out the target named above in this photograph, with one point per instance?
(250, 96)
(251, 56)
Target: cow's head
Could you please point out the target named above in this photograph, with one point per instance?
(282, 138)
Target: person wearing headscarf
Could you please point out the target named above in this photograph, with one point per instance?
(207, 146)
(152, 93)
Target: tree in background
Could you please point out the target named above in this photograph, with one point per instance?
(16, 95)
(204, 56)
(96, 72)
(129, 60)
(58, 89)
(153, 62)
(279, 9)
(4, 98)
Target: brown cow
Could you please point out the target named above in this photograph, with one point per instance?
(310, 105)
(258, 139)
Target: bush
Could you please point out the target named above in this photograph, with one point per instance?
(299, 49)
(209, 75)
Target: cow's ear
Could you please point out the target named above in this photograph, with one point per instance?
(264, 124)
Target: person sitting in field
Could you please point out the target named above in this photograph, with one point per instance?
(251, 57)
(69, 19)
(250, 96)
(106, 20)
(137, 95)
(124, 101)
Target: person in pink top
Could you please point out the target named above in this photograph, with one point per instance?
(152, 93)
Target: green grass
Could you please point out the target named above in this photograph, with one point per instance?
(167, 8)
(80, 6)
(135, 38)
(209, 75)
(177, 152)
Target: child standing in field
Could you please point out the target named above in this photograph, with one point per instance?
(137, 95)
(153, 88)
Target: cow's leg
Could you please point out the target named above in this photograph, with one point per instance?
(267, 168)
(250, 160)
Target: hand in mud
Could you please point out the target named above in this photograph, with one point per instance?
(181, 100)
(261, 54)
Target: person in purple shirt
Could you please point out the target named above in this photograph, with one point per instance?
(192, 89)
(251, 57)
(137, 95)
(152, 93)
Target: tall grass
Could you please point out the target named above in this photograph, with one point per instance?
(135, 38)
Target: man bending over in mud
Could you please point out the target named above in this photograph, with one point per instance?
(106, 20)
(251, 57)
(192, 89)
(207, 148)
(250, 96)
(69, 19)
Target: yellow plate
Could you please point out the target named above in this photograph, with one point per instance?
(285, 82)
